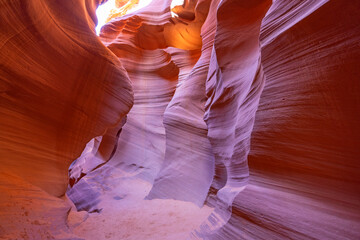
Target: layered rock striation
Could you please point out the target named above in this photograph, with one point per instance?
(60, 87)
(238, 117)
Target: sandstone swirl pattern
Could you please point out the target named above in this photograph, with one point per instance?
(60, 87)
(234, 120)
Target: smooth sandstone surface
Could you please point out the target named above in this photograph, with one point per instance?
(60, 87)
(232, 119)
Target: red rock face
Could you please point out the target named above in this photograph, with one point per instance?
(59, 88)
(238, 119)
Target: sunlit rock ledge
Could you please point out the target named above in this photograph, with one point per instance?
(194, 119)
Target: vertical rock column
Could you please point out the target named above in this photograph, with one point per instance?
(188, 167)
(234, 83)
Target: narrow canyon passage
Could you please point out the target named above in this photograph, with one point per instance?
(118, 188)
(172, 120)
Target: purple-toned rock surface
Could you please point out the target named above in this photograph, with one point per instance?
(216, 119)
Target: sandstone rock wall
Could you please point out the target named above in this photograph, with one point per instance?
(248, 107)
(60, 87)
(304, 167)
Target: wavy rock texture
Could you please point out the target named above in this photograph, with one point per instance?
(304, 149)
(243, 121)
(60, 87)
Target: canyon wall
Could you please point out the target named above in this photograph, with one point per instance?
(304, 157)
(60, 87)
(249, 108)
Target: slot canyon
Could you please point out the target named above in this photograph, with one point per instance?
(176, 120)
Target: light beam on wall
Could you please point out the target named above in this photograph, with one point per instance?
(108, 10)
(175, 3)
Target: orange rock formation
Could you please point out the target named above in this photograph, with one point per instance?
(237, 118)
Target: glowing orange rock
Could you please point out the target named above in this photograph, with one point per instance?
(122, 7)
